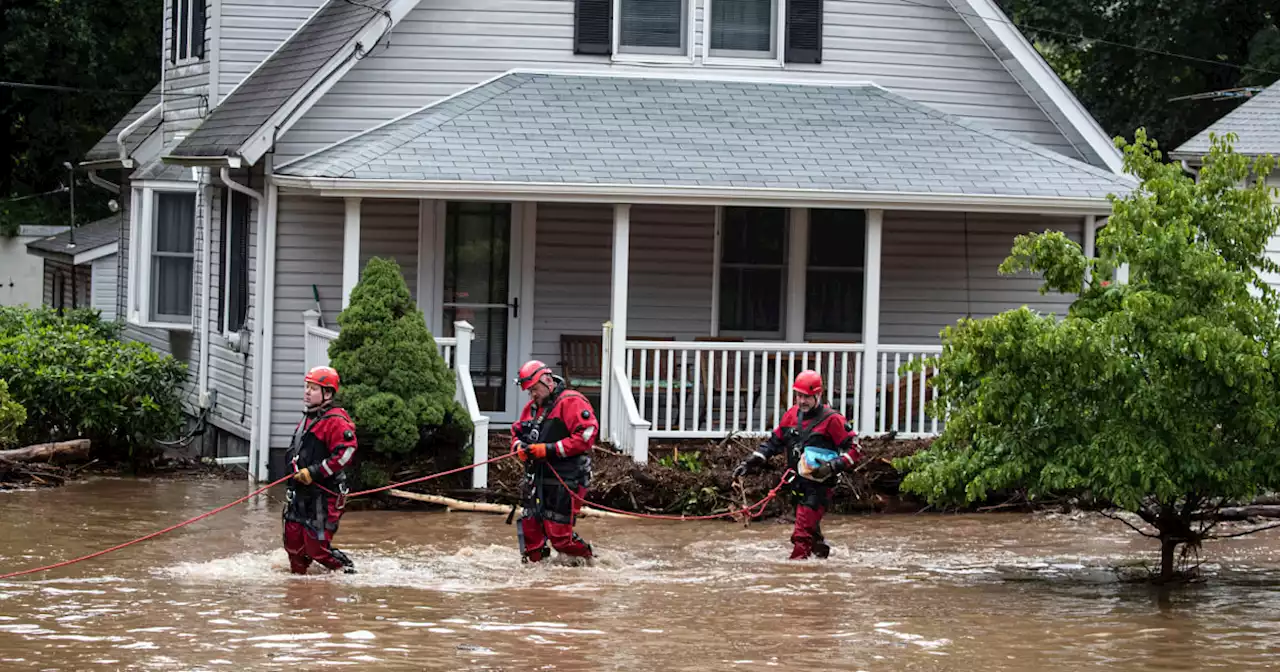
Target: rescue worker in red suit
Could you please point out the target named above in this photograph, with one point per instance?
(553, 436)
(323, 444)
(810, 423)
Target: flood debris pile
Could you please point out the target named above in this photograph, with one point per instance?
(696, 478)
(42, 465)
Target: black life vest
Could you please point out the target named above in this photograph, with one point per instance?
(548, 426)
(307, 504)
(805, 433)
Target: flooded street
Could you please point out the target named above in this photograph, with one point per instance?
(448, 591)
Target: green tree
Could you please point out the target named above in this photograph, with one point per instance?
(12, 416)
(1115, 56)
(1159, 396)
(395, 384)
(111, 48)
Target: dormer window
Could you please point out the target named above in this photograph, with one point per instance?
(186, 30)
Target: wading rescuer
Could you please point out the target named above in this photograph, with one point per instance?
(820, 444)
(555, 432)
(322, 447)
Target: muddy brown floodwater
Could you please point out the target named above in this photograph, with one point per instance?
(447, 591)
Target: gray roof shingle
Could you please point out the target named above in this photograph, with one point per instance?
(159, 170)
(282, 75)
(88, 237)
(579, 129)
(1256, 122)
(106, 148)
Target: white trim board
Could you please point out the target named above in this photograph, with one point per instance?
(691, 195)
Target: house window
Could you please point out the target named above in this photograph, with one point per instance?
(186, 30)
(172, 263)
(753, 257)
(653, 27)
(234, 252)
(835, 272)
(743, 29)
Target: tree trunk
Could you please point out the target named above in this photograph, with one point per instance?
(1168, 548)
(482, 507)
(65, 451)
(1247, 512)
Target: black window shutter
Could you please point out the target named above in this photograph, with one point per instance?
(240, 263)
(174, 30)
(197, 28)
(593, 27)
(224, 232)
(804, 31)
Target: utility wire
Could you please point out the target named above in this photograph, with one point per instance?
(80, 89)
(1099, 40)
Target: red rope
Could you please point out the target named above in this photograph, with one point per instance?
(428, 478)
(126, 544)
(751, 511)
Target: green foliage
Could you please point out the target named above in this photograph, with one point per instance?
(111, 48)
(395, 384)
(1125, 77)
(76, 380)
(1159, 395)
(690, 461)
(12, 415)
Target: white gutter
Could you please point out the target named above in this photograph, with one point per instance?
(137, 123)
(231, 184)
(263, 333)
(693, 195)
(202, 201)
(94, 178)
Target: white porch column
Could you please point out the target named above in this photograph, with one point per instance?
(1090, 243)
(871, 321)
(618, 294)
(350, 249)
(797, 272)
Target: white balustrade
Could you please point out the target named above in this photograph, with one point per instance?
(621, 422)
(904, 394)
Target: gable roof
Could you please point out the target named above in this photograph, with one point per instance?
(569, 131)
(280, 77)
(107, 150)
(1256, 122)
(90, 238)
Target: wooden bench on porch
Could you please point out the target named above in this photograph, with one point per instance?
(580, 359)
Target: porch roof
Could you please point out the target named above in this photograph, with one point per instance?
(105, 149)
(558, 129)
(88, 238)
(1256, 122)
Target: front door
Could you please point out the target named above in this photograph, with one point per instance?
(481, 286)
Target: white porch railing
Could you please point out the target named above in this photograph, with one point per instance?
(696, 389)
(316, 340)
(621, 422)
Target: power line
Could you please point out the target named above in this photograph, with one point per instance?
(59, 190)
(1099, 40)
(80, 89)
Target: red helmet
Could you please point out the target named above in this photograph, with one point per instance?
(324, 376)
(808, 382)
(530, 373)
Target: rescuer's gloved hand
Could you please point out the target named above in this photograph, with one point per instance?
(748, 465)
(824, 472)
(538, 451)
(303, 475)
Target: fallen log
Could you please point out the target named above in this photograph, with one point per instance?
(65, 451)
(1247, 512)
(482, 507)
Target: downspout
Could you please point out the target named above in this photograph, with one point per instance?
(1193, 172)
(137, 123)
(96, 179)
(231, 184)
(202, 185)
(260, 432)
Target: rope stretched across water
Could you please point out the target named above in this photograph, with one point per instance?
(750, 511)
(224, 507)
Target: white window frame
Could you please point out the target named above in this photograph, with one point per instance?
(188, 27)
(619, 56)
(717, 275)
(746, 60)
(226, 198)
(141, 240)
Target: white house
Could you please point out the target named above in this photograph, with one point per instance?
(678, 203)
(21, 274)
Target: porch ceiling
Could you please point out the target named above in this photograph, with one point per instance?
(596, 131)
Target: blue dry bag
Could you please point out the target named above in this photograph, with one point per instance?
(815, 457)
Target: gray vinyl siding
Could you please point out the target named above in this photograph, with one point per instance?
(308, 250)
(389, 229)
(927, 282)
(669, 293)
(103, 288)
(251, 30)
(185, 83)
(231, 372)
(925, 53)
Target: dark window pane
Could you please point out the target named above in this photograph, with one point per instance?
(477, 252)
(754, 236)
(175, 223)
(742, 25)
(171, 287)
(653, 23)
(750, 299)
(837, 238)
(833, 302)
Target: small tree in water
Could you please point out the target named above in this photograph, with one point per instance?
(395, 384)
(1159, 396)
